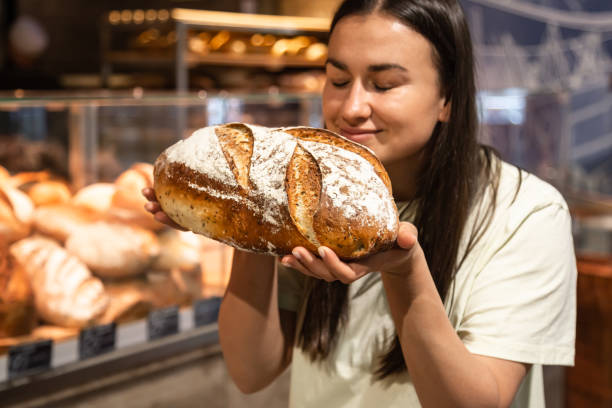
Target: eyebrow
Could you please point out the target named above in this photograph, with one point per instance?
(372, 68)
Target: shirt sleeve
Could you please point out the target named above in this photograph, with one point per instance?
(290, 287)
(522, 305)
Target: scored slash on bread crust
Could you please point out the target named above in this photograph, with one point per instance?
(270, 190)
(303, 186)
(236, 142)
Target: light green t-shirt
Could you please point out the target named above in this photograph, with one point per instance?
(514, 298)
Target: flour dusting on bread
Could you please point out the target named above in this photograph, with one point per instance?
(269, 190)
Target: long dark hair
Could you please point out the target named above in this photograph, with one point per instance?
(455, 174)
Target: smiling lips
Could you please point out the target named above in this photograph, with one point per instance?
(358, 135)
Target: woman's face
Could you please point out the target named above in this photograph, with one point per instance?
(382, 87)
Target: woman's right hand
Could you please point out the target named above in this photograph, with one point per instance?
(154, 208)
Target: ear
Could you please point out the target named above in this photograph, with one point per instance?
(445, 111)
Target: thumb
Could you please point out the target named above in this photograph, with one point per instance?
(407, 235)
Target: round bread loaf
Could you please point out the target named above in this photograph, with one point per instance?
(270, 190)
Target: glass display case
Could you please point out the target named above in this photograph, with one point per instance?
(86, 275)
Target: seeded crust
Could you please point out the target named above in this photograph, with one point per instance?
(225, 213)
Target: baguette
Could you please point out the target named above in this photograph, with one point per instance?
(269, 190)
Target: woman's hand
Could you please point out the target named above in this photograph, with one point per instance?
(330, 268)
(154, 208)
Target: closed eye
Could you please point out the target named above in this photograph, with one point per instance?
(382, 88)
(339, 84)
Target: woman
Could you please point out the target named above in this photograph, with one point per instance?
(462, 313)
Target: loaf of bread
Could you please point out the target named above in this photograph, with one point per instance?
(114, 250)
(270, 190)
(65, 292)
(59, 221)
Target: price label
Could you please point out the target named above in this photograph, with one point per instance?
(29, 358)
(163, 322)
(206, 311)
(97, 340)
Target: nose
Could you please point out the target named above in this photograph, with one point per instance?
(356, 106)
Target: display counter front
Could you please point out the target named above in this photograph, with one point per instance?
(90, 283)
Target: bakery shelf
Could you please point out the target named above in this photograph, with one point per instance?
(167, 45)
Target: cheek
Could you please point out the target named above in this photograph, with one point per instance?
(330, 105)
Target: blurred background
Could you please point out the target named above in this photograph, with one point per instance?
(92, 92)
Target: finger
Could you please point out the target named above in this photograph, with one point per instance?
(152, 207)
(407, 235)
(149, 194)
(314, 265)
(340, 270)
(292, 262)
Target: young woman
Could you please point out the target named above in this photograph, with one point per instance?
(462, 313)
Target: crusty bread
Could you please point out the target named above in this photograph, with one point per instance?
(114, 250)
(58, 221)
(65, 292)
(270, 190)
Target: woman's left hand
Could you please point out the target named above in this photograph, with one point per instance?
(330, 268)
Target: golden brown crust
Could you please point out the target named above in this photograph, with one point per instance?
(235, 212)
(303, 186)
(325, 136)
(236, 142)
(222, 219)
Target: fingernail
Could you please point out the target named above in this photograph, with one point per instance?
(285, 261)
(321, 251)
(297, 255)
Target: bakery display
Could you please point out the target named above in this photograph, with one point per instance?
(93, 257)
(65, 291)
(269, 190)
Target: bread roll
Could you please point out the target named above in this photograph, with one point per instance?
(179, 250)
(60, 220)
(270, 190)
(65, 292)
(113, 250)
(128, 201)
(97, 197)
(49, 192)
